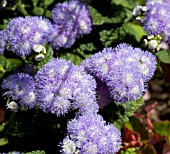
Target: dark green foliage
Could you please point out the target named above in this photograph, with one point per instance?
(8, 65)
(163, 56)
(119, 114)
(39, 132)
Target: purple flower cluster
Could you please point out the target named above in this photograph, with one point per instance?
(21, 34)
(123, 69)
(71, 20)
(155, 1)
(89, 134)
(20, 87)
(2, 42)
(156, 20)
(61, 85)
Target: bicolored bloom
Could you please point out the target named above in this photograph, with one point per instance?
(23, 33)
(71, 20)
(20, 88)
(89, 134)
(2, 42)
(62, 86)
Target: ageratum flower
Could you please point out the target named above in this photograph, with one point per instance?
(20, 88)
(61, 37)
(123, 70)
(98, 65)
(156, 20)
(68, 146)
(23, 33)
(71, 20)
(91, 135)
(125, 83)
(130, 69)
(144, 60)
(2, 42)
(148, 2)
(61, 86)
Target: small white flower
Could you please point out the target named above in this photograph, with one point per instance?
(39, 57)
(152, 44)
(13, 106)
(38, 48)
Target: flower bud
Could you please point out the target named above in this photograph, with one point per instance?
(144, 8)
(152, 44)
(13, 106)
(38, 48)
(136, 10)
(39, 57)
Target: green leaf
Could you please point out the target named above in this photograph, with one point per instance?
(8, 64)
(141, 2)
(128, 4)
(34, 2)
(134, 30)
(77, 55)
(164, 56)
(108, 37)
(38, 11)
(21, 8)
(48, 14)
(36, 152)
(148, 149)
(48, 2)
(87, 47)
(129, 110)
(136, 125)
(73, 57)
(2, 126)
(119, 114)
(162, 128)
(99, 19)
(3, 141)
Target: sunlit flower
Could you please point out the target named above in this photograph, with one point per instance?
(20, 88)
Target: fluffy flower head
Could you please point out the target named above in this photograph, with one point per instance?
(123, 70)
(90, 134)
(22, 33)
(2, 42)
(61, 85)
(71, 20)
(156, 20)
(20, 87)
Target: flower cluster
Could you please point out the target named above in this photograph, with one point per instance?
(20, 87)
(156, 20)
(2, 42)
(21, 34)
(61, 85)
(89, 134)
(155, 1)
(71, 20)
(124, 69)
